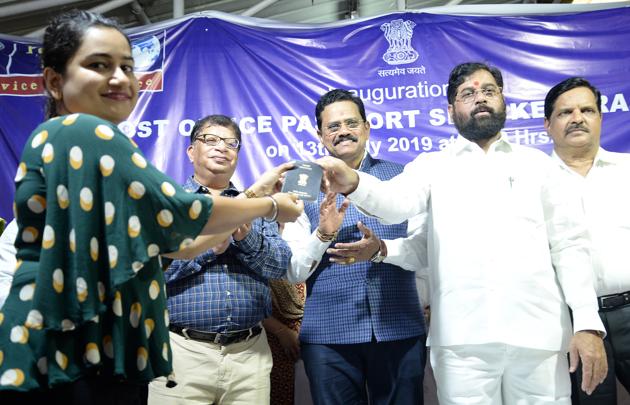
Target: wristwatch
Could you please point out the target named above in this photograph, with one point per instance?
(378, 257)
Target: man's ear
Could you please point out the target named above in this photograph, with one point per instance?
(189, 152)
(546, 124)
(53, 81)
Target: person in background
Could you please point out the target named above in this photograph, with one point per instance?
(508, 252)
(573, 118)
(86, 320)
(283, 328)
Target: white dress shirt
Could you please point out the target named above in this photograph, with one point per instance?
(506, 243)
(606, 199)
(7, 259)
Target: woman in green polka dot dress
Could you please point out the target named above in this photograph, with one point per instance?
(86, 319)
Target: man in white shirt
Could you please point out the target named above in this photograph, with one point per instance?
(508, 251)
(573, 118)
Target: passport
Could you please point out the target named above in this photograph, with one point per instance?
(303, 180)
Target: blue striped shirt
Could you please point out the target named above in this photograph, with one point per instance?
(230, 291)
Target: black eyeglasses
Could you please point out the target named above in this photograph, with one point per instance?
(213, 140)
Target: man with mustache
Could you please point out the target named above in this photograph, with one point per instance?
(362, 335)
(507, 251)
(217, 301)
(573, 118)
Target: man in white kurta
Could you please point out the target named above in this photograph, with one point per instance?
(573, 118)
(508, 250)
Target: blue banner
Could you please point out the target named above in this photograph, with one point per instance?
(269, 76)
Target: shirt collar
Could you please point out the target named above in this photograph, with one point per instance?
(602, 158)
(366, 162)
(605, 157)
(194, 186)
(463, 145)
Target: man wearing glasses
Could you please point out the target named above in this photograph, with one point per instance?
(217, 301)
(362, 335)
(508, 253)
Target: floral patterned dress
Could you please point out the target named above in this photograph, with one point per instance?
(88, 294)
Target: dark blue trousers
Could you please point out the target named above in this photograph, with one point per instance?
(388, 373)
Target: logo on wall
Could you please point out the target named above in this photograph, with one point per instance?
(20, 72)
(398, 33)
(148, 56)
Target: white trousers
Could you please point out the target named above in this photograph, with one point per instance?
(208, 373)
(499, 374)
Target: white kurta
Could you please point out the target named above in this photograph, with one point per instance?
(506, 243)
(606, 198)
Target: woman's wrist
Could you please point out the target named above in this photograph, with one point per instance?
(274, 210)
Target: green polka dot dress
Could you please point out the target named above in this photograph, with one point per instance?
(88, 295)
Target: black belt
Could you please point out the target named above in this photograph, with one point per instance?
(614, 300)
(223, 339)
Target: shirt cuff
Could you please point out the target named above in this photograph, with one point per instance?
(360, 194)
(394, 252)
(315, 248)
(587, 319)
(251, 242)
(206, 257)
(304, 263)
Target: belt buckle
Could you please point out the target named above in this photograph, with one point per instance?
(250, 334)
(614, 301)
(185, 333)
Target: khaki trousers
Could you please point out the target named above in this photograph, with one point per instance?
(208, 373)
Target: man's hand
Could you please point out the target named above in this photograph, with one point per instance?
(270, 182)
(360, 250)
(331, 217)
(289, 207)
(221, 247)
(589, 348)
(338, 177)
(241, 232)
